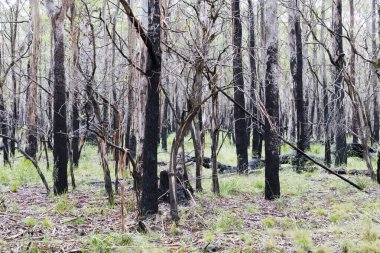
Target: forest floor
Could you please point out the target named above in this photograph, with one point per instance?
(316, 213)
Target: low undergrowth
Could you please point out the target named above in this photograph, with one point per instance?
(316, 213)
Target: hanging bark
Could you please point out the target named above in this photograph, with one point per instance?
(272, 142)
(238, 83)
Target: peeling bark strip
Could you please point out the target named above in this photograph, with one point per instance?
(238, 82)
(272, 141)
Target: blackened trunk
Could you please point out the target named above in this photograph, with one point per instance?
(60, 150)
(376, 120)
(238, 81)
(214, 138)
(256, 137)
(296, 67)
(272, 142)
(149, 197)
(75, 128)
(165, 126)
(4, 127)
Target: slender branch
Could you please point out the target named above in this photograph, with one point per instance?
(291, 144)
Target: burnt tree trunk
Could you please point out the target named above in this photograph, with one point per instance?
(31, 132)
(238, 82)
(256, 137)
(165, 126)
(75, 122)
(340, 137)
(296, 68)
(4, 126)
(13, 37)
(149, 197)
(376, 120)
(214, 137)
(355, 112)
(325, 92)
(272, 142)
(60, 149)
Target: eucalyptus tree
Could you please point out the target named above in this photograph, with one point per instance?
(31, 133)
(57, 15)
(272, 142)
(374, 78)
(355, 116)
(340, 136)
(238, 83)
(296, 68)
(256, 136)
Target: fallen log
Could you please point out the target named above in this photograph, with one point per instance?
(253, 164)
(341, 171)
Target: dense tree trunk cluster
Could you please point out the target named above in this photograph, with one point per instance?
(139, 78)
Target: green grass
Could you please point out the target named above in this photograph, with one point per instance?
(226, 222)
(302, 240)
(46, 223)
(269, 222)
(334, 211)
(29, 222)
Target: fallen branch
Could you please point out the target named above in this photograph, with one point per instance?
(293, 145)
(34, 162)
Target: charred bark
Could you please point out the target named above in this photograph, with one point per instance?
(149, 196)
(238, 83)
(272, 142)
